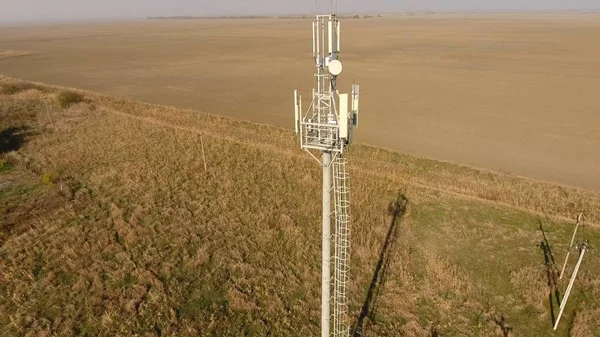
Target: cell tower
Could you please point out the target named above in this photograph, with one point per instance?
(326, 126)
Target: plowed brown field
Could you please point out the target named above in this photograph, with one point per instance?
(517, 93)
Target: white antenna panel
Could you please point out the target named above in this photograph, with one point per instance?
(297, 110)
(314, 39)
(339, 29)
(343, 121)
(355, 97)
(317, 37)
(330, 37)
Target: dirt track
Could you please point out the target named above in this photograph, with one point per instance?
(514, 93)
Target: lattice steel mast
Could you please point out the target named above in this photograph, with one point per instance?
(327, 127)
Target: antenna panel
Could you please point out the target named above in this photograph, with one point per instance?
(314, 38)
(339, 30)
(355, 97)
(330, 24)
(343, 120)
(297, 111)
(317, 37)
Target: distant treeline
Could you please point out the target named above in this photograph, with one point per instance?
(189, 17)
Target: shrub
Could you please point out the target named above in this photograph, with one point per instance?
(13, 88)
(49, 178)
(68, 98)
(9, 89)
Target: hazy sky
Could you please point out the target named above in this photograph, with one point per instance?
(33, 10)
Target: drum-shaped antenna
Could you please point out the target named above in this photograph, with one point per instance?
(335, 67)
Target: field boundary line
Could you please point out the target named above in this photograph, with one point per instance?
(266, 147)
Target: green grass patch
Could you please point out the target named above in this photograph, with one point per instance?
(38, 266)
(5, 166)
(205, 298)
(491, 245)
(49, 178)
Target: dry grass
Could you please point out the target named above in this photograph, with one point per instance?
(530, 283)
(133, 236)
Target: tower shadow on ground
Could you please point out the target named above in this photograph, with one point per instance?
(506, 329)
(11, 139)
(551, 273)
(397, 210)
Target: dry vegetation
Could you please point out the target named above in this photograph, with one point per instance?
(112, 226)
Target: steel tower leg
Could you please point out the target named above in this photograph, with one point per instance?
(326, 262)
